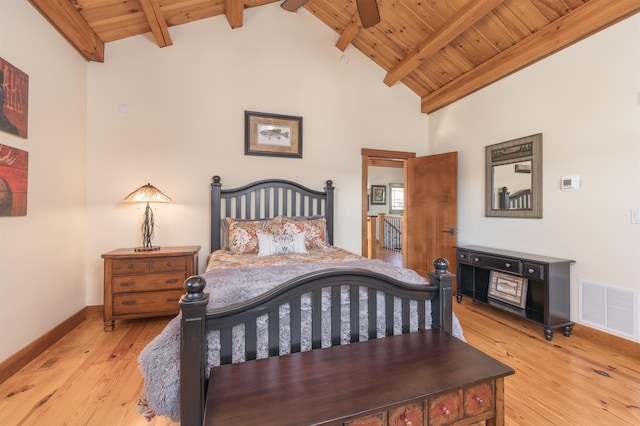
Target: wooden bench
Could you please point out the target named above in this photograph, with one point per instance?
(427, 377)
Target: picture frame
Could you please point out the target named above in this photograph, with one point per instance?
(378, 194)
(14, 100)
(273, 135)
(508, 288)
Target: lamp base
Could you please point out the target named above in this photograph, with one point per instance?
(147, 248)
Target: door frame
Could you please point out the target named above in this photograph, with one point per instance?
(376, 158)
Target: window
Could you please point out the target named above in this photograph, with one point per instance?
(396, 199)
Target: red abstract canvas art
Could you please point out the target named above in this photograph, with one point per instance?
(14, 99)
(13, 181)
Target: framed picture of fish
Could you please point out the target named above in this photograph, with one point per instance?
(272, 134)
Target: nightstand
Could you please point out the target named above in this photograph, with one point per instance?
(142, 284)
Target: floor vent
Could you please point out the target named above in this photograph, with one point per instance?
(613, 309)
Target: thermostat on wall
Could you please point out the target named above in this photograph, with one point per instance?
(568, 183)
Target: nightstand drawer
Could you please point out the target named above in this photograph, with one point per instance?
(169, 264)
(165, 302)
(151, 282)
(130, 266)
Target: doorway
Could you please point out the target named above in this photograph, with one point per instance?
(431, 205)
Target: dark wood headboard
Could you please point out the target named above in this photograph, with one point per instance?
(267, 199)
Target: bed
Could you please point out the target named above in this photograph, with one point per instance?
(275, 285)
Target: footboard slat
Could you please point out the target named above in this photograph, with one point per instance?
(372, 304)
(406, 305)
(295, 325)
(274, 331)
(226, 345)
(316, 319)
(354, 314)
(250, 338)
(388, 314)
(336, 317)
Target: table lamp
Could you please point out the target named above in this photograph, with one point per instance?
(147, 194)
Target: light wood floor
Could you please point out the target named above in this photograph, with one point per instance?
(91, 378)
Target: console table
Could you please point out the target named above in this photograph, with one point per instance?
(546, 280)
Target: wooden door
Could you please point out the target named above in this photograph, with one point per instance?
(431, 209)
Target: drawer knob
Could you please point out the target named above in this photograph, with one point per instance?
(129, 302)
(478, 399)
(507, 264)
(476, 259)
(171, 281)
(531, 270)
(445, 410)
(130, 265)
(128, 284)
(168, 263)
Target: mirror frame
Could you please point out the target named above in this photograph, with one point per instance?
(502, 153)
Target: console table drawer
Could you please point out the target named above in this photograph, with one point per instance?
(534, 271)
(500, 263)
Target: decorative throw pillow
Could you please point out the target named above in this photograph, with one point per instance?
(314, 227)
(269, 244)
(242, 233)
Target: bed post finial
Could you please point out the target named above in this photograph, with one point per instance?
(216, 180)
(440, 265)
(441, 312)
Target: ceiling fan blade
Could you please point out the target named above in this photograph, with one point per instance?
(292, 5)
(369, 13)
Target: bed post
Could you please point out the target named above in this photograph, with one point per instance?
(442, 311)
(193, 306)
(216, 214)
(328, 210)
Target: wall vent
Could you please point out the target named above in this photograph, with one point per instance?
(609, 308)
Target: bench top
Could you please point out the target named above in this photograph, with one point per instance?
(333, 384)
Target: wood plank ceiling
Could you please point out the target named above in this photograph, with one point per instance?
(442, 50)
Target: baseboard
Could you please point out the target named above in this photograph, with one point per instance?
(611, 341)
(27, 354)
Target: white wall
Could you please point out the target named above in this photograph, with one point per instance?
(42, 254)
(585, 100)
(185, 123)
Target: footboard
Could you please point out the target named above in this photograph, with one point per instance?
(196, 321)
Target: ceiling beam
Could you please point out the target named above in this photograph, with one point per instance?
(157, 22)
(469, 14)
(584, 21)
(349, 32)
(67, 20)
(233, 10)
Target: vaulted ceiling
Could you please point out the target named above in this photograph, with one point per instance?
(442, 50)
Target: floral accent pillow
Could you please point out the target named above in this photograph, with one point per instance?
(314, 227)
(243, 237)
(269, 244)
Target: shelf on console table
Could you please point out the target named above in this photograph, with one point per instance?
(548, 297)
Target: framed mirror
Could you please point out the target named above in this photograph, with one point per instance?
(514, 178)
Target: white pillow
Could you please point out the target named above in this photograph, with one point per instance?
(269, 244)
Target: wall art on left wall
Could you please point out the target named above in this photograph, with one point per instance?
(14, 99)
(14, 171)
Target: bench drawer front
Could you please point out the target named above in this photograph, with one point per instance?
(478, 399)
(446, 409)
